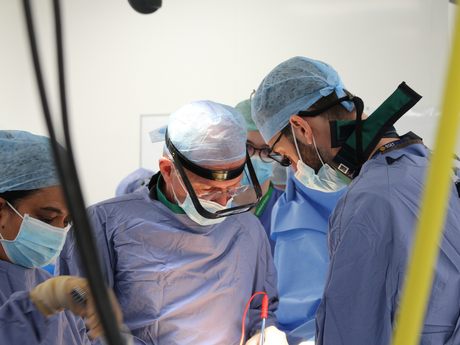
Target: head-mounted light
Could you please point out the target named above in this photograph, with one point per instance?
(181, 162)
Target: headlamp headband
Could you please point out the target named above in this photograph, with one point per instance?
(313, 113)
(215, 175)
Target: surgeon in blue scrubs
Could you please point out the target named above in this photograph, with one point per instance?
(33, 224)
(370, 230)
(263, 166)
(135, 180)
(300, 221)
(182, 273)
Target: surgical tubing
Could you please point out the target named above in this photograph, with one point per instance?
(432, 212)
(264, 311)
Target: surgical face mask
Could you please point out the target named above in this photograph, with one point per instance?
(36, 244)
(208, 205)
(327, 180)
(263, 171)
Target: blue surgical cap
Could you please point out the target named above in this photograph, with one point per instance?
(290, 87)
(133, 181)
(26, 162)
(244, 107)
(207, 133)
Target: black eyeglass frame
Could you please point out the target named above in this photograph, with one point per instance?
(285, 162)
(178, 162)
(267, 159)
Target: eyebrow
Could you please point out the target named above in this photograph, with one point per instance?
(52, 209)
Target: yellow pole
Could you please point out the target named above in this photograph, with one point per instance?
(432, 212)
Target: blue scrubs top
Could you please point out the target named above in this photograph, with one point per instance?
(134, 181)
(178, 282)
(300, 219)
(20, 320)
(266, 215)
(369, 238)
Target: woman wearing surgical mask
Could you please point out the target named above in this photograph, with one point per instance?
(34, 221)
(263, 165)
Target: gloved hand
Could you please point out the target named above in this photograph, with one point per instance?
(53, 296)
(273, 336)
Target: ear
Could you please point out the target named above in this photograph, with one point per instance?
(301, 128)
(3, 205)
(167, 169)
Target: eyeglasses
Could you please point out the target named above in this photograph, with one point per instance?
(215, 195)
(283, 160)
(230, 193)
(263, 153)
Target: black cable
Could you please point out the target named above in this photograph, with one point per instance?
(69, 179)
(359, 106)
(62, 89)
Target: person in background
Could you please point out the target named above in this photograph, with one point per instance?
(370, 231)
(34, 220)
(182, 260)
(134, 181)
(263, 166)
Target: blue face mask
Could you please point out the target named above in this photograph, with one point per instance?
(263, 171)
(36, 244)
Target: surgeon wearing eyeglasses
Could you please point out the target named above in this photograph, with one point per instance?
(300, 217)
(263, 165)
(305, 113)
(182, 258)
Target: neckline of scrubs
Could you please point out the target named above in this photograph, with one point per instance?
(263, 203)
(161, 198)
(396, 145)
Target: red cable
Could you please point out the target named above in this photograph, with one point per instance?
(263, 313)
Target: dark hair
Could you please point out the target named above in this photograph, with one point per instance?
(14, 197)
(336, 113)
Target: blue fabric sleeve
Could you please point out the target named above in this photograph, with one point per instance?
(265, 279)
(69, 262)
(20, 321)
(362, 279)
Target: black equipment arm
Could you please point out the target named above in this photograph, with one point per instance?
(70, 183)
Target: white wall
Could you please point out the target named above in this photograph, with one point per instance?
(121, 64)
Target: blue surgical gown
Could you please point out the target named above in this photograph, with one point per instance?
(369, 238)
(266, 215)
(20, 320)
(300, 219)
(134, 181)
(178, 282)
